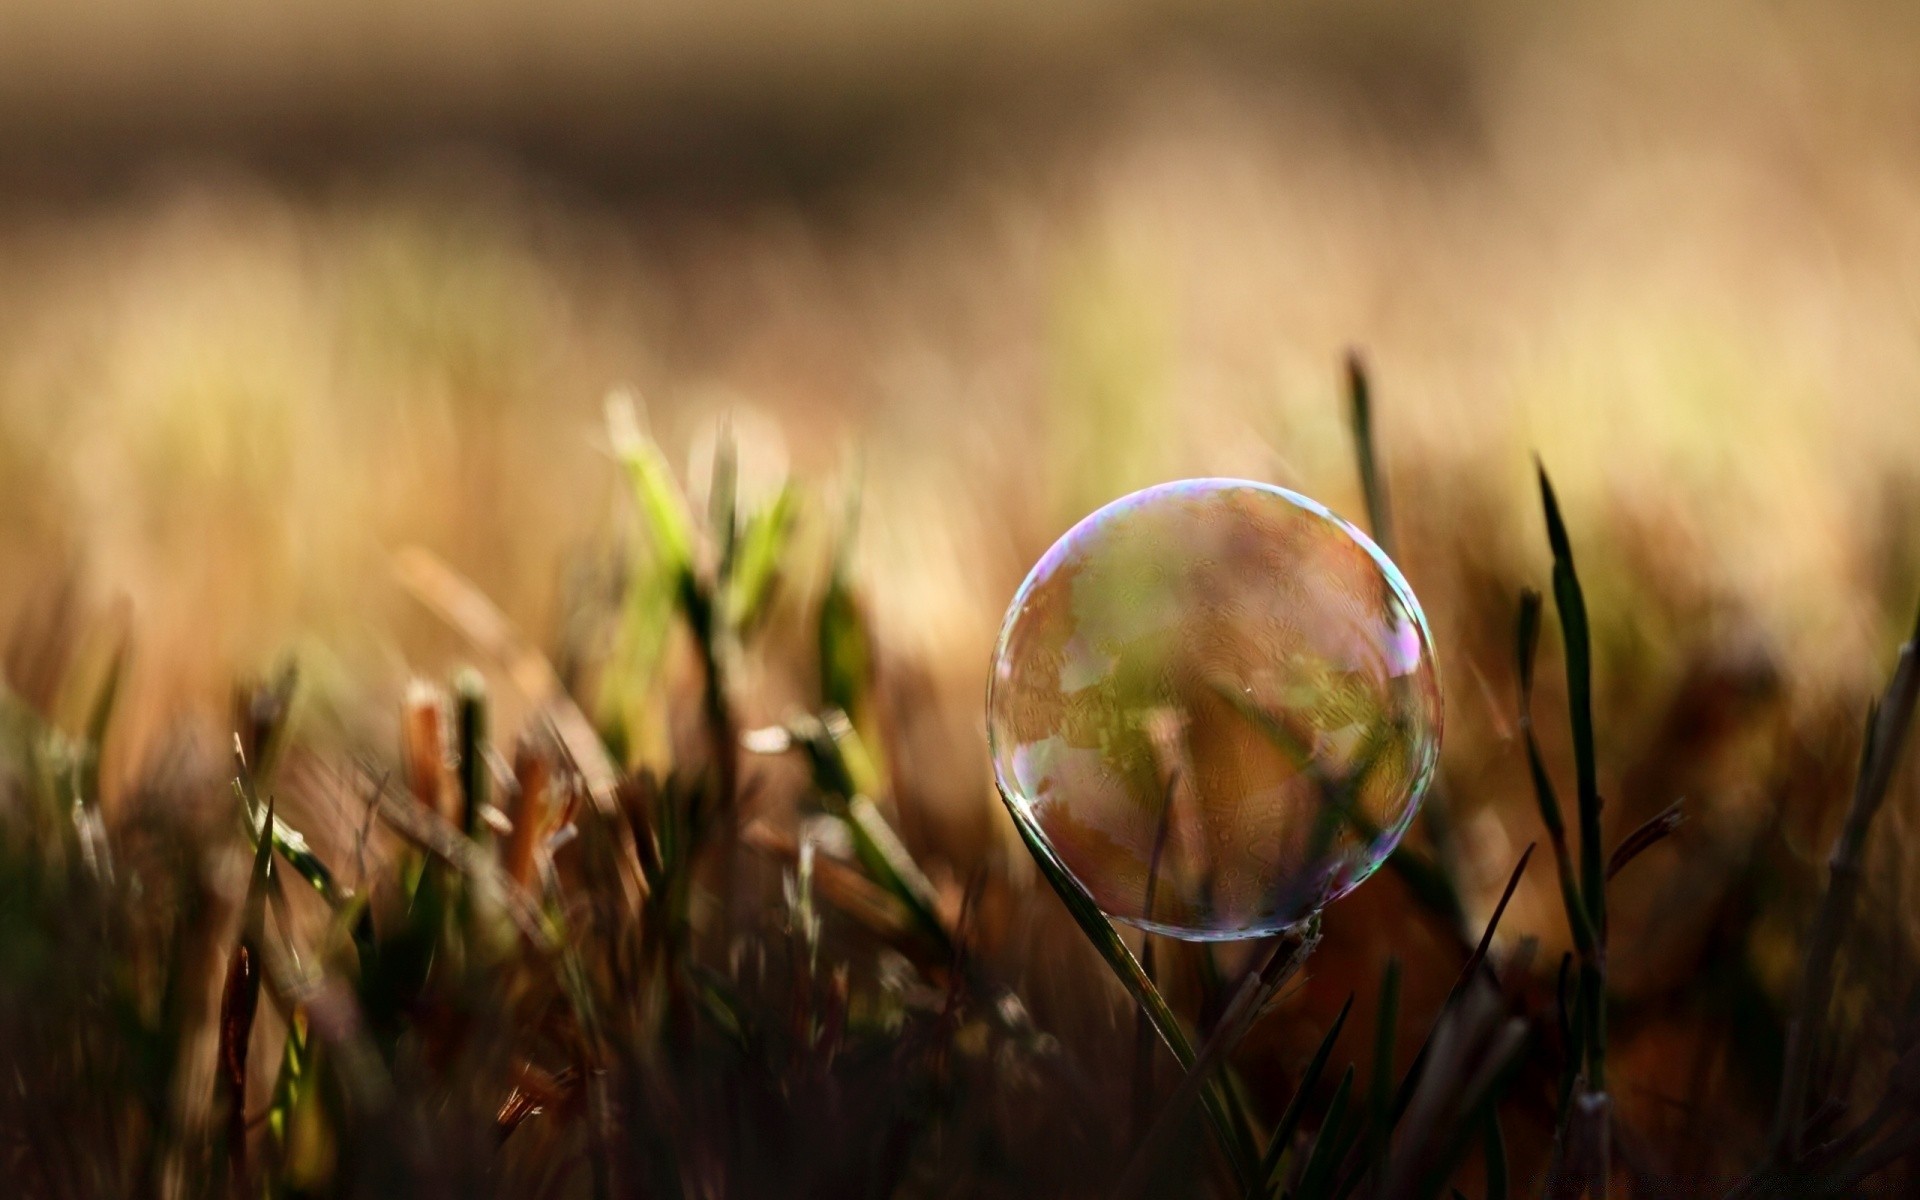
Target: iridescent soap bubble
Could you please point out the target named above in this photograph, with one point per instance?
(1214, 703)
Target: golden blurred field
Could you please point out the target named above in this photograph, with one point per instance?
(1672, 253)
(282, 295)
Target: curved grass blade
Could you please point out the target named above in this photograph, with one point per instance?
(1288, 955)
(287, 841)
(1649, 834)
(1234, 1140)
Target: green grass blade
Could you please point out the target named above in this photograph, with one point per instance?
(287, 840)
(1373, 484)
(757, 564)
(1548, 801)
(662, 508)
(470, 718)
(1577, 640)
(887, 859)
(1571, 603)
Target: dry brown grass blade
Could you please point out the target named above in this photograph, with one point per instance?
(1646, 836)
(423, 747)
(239, 1001)
(535, 1091)
(531, 773)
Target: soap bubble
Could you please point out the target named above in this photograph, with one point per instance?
(1214, 704)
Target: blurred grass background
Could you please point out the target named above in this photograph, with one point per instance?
(285, 289)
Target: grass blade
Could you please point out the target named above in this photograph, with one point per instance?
(1373, 484)
(1288, 955)
(1234, 1140)
(1379, 1094)
(1887, 727)
(1646, 836)
(1571, 604)
(1468, 972)
(239, 1002)
(1289, 1121)
(1527, 642)
(470, 724)
(1328, 1149)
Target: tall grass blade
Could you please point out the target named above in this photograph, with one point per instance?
(1288, 955)
(1887, 727)
(1373, 484)
(239, 1001)
(470, 723)
(1289, 1122)
(1380, 1093)
(1328, 1147)
(1571, 603)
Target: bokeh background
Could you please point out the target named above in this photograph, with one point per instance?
(286, 288)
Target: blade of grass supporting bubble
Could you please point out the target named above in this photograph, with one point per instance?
(1143, 1029)
(1296, 1108)
(1238, 1147)
(1288, 954)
